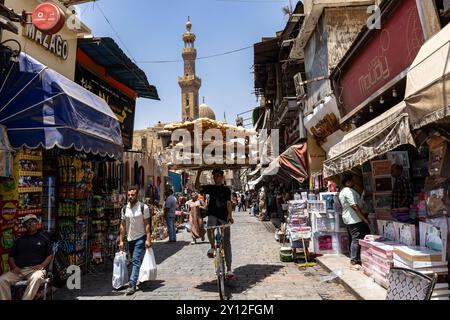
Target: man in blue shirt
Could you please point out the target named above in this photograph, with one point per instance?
(170, 206)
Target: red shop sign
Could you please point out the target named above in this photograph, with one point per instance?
(387, 53)
(48, 18)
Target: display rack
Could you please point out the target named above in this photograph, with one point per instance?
(29, 174)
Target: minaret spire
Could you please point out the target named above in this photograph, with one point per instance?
(189, 82)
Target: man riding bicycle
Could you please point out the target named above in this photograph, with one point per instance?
(219, 213)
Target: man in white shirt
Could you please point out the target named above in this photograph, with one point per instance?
(136, 222)
(353, 217)
(170, 206)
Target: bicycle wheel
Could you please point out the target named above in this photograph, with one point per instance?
(220, 271)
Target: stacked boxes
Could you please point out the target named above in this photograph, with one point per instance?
(377, 258)
(427, 262)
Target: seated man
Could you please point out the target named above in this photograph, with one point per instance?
(28, 259)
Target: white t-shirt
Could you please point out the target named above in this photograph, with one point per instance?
(134, 221)
(349, 197)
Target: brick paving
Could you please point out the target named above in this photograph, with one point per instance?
(185, 273)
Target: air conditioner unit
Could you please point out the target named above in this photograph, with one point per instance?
(299, 88)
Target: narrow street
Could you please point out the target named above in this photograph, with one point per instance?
(185, 273)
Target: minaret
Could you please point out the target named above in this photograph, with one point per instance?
(189, 82)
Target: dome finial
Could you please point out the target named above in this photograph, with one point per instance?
(188, 24)
(203, 99)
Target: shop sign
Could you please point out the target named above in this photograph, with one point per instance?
(8, 210)
(122, 106)
(325, 121)
(53, 43)
(48, 18)
(382, 58)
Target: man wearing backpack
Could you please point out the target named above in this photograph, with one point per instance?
(136, 222)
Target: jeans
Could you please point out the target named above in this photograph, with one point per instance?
(212, 222)
(356, 231)
(171, 226)
(137, 250)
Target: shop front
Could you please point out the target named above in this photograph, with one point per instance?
(413, 134)
(63, 138)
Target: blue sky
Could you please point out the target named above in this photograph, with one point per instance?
(151, 30)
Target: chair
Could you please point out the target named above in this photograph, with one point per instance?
(46, 288)
(407, 284)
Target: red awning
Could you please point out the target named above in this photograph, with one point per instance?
(291, 163)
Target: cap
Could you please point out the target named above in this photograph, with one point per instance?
(29, 217)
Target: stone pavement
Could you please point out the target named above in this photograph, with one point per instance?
(185, 272)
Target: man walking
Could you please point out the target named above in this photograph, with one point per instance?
(136, 223)
(28, 260)
(170, 206)
(219, 213)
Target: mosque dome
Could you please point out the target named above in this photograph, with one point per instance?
(205, 111)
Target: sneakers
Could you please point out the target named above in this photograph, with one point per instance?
(355, 267)
(131, 290)
(193, 242)
(230, 276)
(210, 253)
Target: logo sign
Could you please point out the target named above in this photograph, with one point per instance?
(48, 18)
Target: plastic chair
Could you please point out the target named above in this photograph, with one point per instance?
(46, 288)
(407, 284)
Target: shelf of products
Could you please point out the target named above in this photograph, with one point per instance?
(73, 194)
(28, 169)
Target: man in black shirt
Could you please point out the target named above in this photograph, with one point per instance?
(219, 213)
(28, 259)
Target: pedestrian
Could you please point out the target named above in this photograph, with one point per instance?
(244, 207)
(170, 206)
(135, 221)
(28, 260)
(356, 222)
(262, 205)
(195, 219)
(219, 213)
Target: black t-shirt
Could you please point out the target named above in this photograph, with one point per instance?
(31, 250)
(218, 198)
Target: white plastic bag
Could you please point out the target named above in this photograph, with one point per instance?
(148, 268)
(120, 270)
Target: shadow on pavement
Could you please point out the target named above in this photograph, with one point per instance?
(164, 250)
(150, 286)
(246, 277)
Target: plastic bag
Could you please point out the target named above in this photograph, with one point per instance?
(148, 269)
(120, 270)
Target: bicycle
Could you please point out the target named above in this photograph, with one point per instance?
(219, 259)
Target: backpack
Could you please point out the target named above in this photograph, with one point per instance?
(142, 210)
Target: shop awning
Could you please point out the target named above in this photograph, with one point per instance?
(290, 164)
(108, 54)
(428, 82)
(378, 136)
(41, 108)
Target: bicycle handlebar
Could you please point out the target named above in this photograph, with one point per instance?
(219, 226)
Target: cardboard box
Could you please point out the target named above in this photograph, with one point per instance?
(419, 264)
(425, 271)
(418, 253)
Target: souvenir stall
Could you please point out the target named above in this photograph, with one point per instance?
(415, 134)
(61, 133)
(8, 202)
